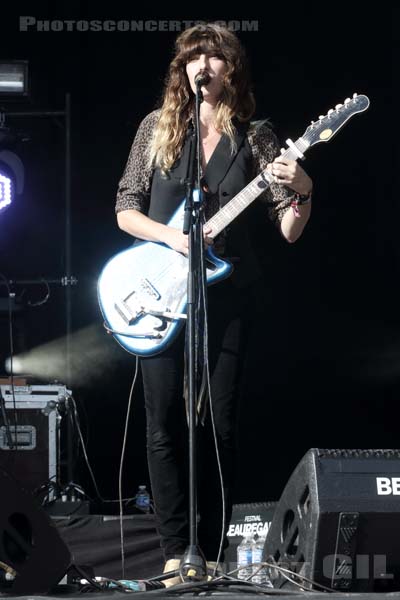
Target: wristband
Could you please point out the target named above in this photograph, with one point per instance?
(299, 200)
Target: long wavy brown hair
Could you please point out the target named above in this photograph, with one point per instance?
(236, 100)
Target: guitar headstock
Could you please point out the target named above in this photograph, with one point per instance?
(326, 126)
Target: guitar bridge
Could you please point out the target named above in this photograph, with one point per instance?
(125, 311)
(133, 306)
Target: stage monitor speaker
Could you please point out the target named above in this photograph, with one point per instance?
(337, 522)
(31, 549)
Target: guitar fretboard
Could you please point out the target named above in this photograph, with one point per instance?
(243, 199)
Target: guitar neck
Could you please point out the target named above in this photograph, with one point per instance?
(243, 199)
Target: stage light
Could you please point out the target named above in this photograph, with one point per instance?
(13, 79)
(90, 353)
(16, 365)
(5, 190)
(12, 175)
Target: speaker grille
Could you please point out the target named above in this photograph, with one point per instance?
(364, 453)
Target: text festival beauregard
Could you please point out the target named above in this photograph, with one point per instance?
(253, 524)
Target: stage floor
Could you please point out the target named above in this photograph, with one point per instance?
(232, 595)
(95, 540)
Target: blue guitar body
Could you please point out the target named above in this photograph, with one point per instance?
(147, 279)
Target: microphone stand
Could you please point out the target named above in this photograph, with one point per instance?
(193, 566)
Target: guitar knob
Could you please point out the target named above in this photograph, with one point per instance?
(338, 106)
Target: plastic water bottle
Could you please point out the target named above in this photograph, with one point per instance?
(245, 557)
(258, 550)
(142, 499)
(260, 576)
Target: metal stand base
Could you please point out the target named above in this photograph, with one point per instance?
(194, 565)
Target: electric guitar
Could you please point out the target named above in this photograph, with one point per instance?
(142, 290)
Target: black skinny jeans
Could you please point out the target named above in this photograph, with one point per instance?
(167, 432)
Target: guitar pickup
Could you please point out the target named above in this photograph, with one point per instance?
(148, 288)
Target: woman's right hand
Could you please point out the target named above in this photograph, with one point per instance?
(178, 241)
(143, 228)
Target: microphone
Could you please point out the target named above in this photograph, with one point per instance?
(202, 78)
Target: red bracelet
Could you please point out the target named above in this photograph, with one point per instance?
(299, 200)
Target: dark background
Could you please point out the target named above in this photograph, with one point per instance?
(323, 368)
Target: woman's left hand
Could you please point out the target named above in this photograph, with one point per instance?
(289, 172)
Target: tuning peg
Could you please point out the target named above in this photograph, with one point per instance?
(330, 111)
(347, 100)
(338, 106)
(355, 95)
(321, 117)
(312, 122)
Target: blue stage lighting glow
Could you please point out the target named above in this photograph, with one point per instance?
(5, 191)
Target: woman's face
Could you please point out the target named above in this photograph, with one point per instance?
(215, 67)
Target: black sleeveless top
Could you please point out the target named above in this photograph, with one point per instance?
(226, 174)
(147, 190)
